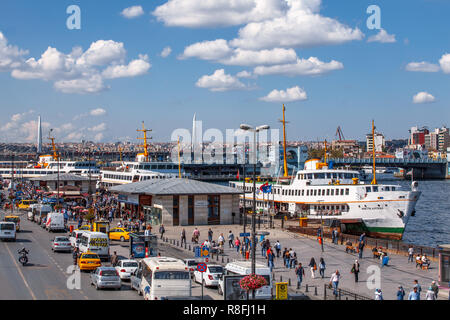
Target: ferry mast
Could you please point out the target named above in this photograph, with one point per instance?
(286, 174)
(145, 145)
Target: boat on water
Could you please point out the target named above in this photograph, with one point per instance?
(48, 165)
(320, 192)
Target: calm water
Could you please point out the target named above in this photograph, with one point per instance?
(431, 225)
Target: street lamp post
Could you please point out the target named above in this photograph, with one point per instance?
(321, 224)
(246, 127)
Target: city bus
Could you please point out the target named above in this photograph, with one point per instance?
(25, 204)
(165, 278)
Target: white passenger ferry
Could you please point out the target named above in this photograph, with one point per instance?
(47, 165)
(140, 170)
(321, 192)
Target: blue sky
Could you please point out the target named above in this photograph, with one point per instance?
(122, 80)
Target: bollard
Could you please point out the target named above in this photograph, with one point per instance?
(189, 247)
(315, 290)
(185, 246)
(324, 292)
(307, 288)
(217, 257)
(298, 285)
(281, 278)
(178, 244)
(222, 259)
(289, 282)
(228, 260)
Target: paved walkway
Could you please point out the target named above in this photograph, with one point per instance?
(398, 272)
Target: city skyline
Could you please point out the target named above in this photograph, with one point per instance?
(134, 61)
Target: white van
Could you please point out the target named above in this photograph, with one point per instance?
(245, 268)
(55, 222)
(75, 238)
(165, 278)
(95, 242)
(41, 211)
(7, 231)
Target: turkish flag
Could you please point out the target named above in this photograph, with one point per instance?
(237, 177)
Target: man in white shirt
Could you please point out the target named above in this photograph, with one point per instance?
(411, 254)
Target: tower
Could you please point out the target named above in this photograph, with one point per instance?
(39, 136)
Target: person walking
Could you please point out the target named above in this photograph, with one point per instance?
(419, 288)
(334, 281)
(286, 257)
(210, 235)
(300, 272)
(313, 266)
(237, 244)
(114, 259)
(162, 230)
(430, 295)
(270, 257)
(278, 248)
(183, 236)
(414, 294)
(410, 254)
(400, 293)
(221, 241)
(292, 257)
(230, 239)
(378, 294)
(435, 289)
(355, 270)
(263, 248)
(322, 268)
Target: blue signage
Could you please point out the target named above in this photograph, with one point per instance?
(244, 234)
(197, 252)
(138, 250)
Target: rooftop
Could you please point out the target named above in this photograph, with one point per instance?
(62, 177)
(173, 186)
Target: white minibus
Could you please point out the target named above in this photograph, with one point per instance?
(165, 278)
(245, 268)
(95, 242)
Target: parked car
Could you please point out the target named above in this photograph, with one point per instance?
(7, 231)
(210, 277)
(135, 281)
(192, 264)
(106, 277)
(119, 234)
(61, 244)
(125, 268)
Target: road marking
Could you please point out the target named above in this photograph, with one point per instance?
(21, 274)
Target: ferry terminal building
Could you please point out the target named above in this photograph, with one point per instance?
(180, 202)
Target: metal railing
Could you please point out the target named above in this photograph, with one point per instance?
(342, 294)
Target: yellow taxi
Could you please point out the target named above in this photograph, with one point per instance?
(14, 219)
(84, 228)
(89, 261)
(25, 204)
(119, 234)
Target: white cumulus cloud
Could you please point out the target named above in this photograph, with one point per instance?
(423, 97)
(422, 67)
(218, 13)
(220, 81)
(135, 68)
(208, 50)
(289, 95)
(166, 52)
(10, 56)
(445, 63)
(382, 37)
(97, 112)
(132, 12)
(303, 67)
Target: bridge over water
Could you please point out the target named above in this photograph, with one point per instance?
(422, 168)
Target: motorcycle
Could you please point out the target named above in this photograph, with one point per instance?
(23, 259)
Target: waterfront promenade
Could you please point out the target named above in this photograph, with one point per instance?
(398, 272)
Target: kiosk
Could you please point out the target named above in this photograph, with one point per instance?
(444, 265)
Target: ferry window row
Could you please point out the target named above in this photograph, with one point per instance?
(156, 167)
(117, 177)
(309, 192)
(41, 173)
(327, 175)
(376, 188)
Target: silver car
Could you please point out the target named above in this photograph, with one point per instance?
(61, 244)
(106, 277)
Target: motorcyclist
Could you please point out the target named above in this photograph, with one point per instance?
(24, 251)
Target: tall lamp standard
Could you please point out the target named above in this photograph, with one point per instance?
(246, 127)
